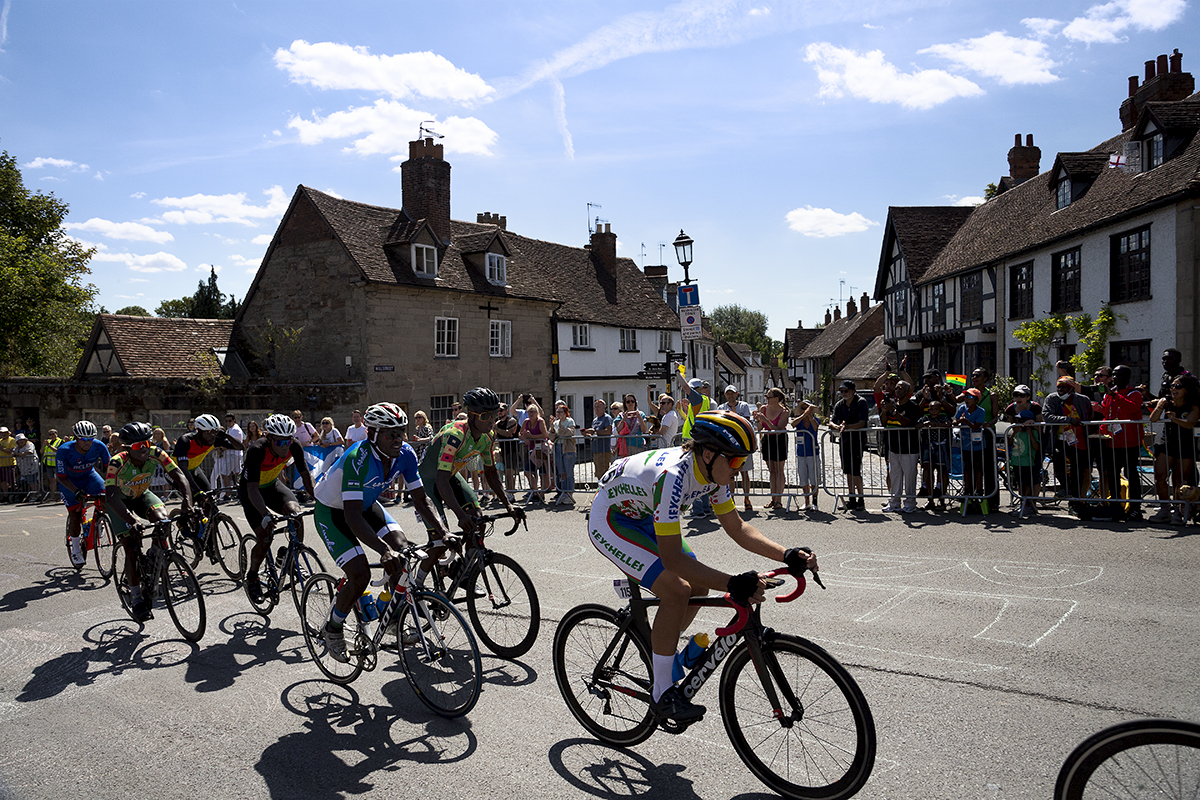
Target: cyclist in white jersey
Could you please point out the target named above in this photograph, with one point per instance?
(635, 523)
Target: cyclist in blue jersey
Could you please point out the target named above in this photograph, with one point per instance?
(77, 468)
(349, 515)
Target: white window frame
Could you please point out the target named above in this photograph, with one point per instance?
(609, 399)
(445, 337)
(500, 338)
(1154, 151)
(664, 341)
(580, 336)
(497, 269)
(424, 260)
(1062, 192)
(629, 340)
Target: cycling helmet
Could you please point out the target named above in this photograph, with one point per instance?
(385, 415)
(481, 401)
(84, 430)
(724, 432)
(207, 422)
(135, 432)
(279, 425)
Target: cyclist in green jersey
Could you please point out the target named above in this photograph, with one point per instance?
(448, 454)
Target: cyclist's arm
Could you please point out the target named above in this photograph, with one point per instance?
(670, 552)
(748, 537)
(173, 472)
(228, 442)
(297, 452)
(67, 484)
(492, 475)
(446, 492)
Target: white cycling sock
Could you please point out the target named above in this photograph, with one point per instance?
(420, 578)
(663, 666)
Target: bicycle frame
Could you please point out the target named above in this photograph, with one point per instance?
(95, 503)
(402, 592)
(476, 553)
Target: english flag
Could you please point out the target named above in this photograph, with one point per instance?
(1116, 161)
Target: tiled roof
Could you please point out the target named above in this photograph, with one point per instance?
(868, 364)
(537, 270)
(796, 339)
(922, 232)
(160, 347)
(1081, 164)
(1175, 116)
(1026, 218)
(729, 364)
(836, 332)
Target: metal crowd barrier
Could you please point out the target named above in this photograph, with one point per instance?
(25, 482)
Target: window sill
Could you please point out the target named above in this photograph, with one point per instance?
(446, 358)
(500, 355)
(585, 349)
(1131, 300)
(629, 351)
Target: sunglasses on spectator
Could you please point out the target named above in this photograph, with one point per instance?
(141, 445)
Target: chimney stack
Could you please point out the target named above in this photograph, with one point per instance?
(828, 317)
(837, 313)
(488, 218)
(1024, 162)
(425, 186)
(865, 303)
(604, 247)
(851, 308)
(1165, 82)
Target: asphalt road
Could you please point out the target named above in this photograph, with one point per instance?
(986, 650)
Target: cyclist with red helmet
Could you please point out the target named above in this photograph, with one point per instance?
(635, 523)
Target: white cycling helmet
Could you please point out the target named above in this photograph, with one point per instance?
(385, 415)
(279, 425)
(207, 422)
(84, 430)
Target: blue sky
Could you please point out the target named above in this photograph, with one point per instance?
(776, 134)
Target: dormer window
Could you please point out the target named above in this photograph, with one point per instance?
(1063, 192)
(424, 260)
(1154, 151)
(497, 269)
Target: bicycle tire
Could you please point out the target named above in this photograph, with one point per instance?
(104, 545)
(183, 598)
(269, 595)
(1145, 758)
(67, 539)
(228, 537)
(825, 748)
(305, 564)
(315, 602)
(120, 582)
(507, 618)
(611, 700)
(448, 676)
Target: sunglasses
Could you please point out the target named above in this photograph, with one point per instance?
(281, 442)
(490, 416)
(736, 462)
(141, 445)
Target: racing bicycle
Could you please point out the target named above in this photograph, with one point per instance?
(165, 576)
(439, 654)
(794, 715)
(502, 602)
(1157, 758)
(209, 532)
(94, 535)
(296, 564)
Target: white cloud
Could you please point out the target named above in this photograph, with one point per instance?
(61, 163)
(871, 27)
(825, 222)
(1107, 22)
(870, 77)
(560, 117)
(327, 65)
(964, 201)
(1042, 27)
(206, 267)
(759, 12)
(205, 209)
(154, 262)
(138, 195)
(265, 238)
(242, 261)
(389, 126)
(1008, 59)
(133, 231)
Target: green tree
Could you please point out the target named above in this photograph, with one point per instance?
(990, 191)
(133, 311)
(48, 310)
(207, 303)
(733, 323)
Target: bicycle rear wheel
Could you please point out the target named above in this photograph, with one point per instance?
(269, 586)
(823, 744)
(227, 538)
(315, 602)
(305, 564)
(181, 592)
(442, 664)
(507, 617)
(1157, 758)
(103, 545)
(604, 674)
(121, 579)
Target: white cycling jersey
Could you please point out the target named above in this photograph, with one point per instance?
(660, 484)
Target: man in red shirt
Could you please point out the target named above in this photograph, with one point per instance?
(1119, 454)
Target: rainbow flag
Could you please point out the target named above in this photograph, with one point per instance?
(957, 380)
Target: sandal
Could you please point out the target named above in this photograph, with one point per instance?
(748, 506)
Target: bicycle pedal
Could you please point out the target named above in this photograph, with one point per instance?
(675, 728)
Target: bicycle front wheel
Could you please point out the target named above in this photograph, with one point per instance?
(268, 594)
(315, 602)
(441, 659)
(508, 615)
(604, 674)
(1157, 758)
(103, 545)
(811, 734)
(227, 538)
(305, 564)
(181, 592)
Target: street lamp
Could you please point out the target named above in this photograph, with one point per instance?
(683, 252)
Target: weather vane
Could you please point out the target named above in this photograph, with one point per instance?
(427, 130)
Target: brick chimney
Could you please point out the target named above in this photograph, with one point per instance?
(865, 303)
(657, 276)
(425, 186)
(604, 247)
(837, 313)
(828, 317)
(1165, 81)
(1024, 162)
(488, 218)
(851, 308)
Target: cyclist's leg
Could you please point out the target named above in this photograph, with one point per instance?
(277, 498)
(348, 554)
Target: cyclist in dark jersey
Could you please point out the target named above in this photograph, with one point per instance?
(193, 447)
(127, 489)
(77, 470)
(261, 491)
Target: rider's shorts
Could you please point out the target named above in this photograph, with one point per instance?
(463, 493)
(340, 540)
(628, 543)
(140, 506)
(276, 496)
(88, 483)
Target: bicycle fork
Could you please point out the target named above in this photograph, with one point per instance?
(770, 675)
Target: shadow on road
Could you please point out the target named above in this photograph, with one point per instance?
(609, 772)
(253, 642)
(58, 580)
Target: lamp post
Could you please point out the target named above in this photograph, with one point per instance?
(683, 253)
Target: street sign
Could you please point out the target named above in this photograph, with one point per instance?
(689, 295)
(689, 323)
(678, 358)
(653, 376)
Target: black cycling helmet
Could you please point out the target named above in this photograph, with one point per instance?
(724, 432)
(135, 432)
(481, 400)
